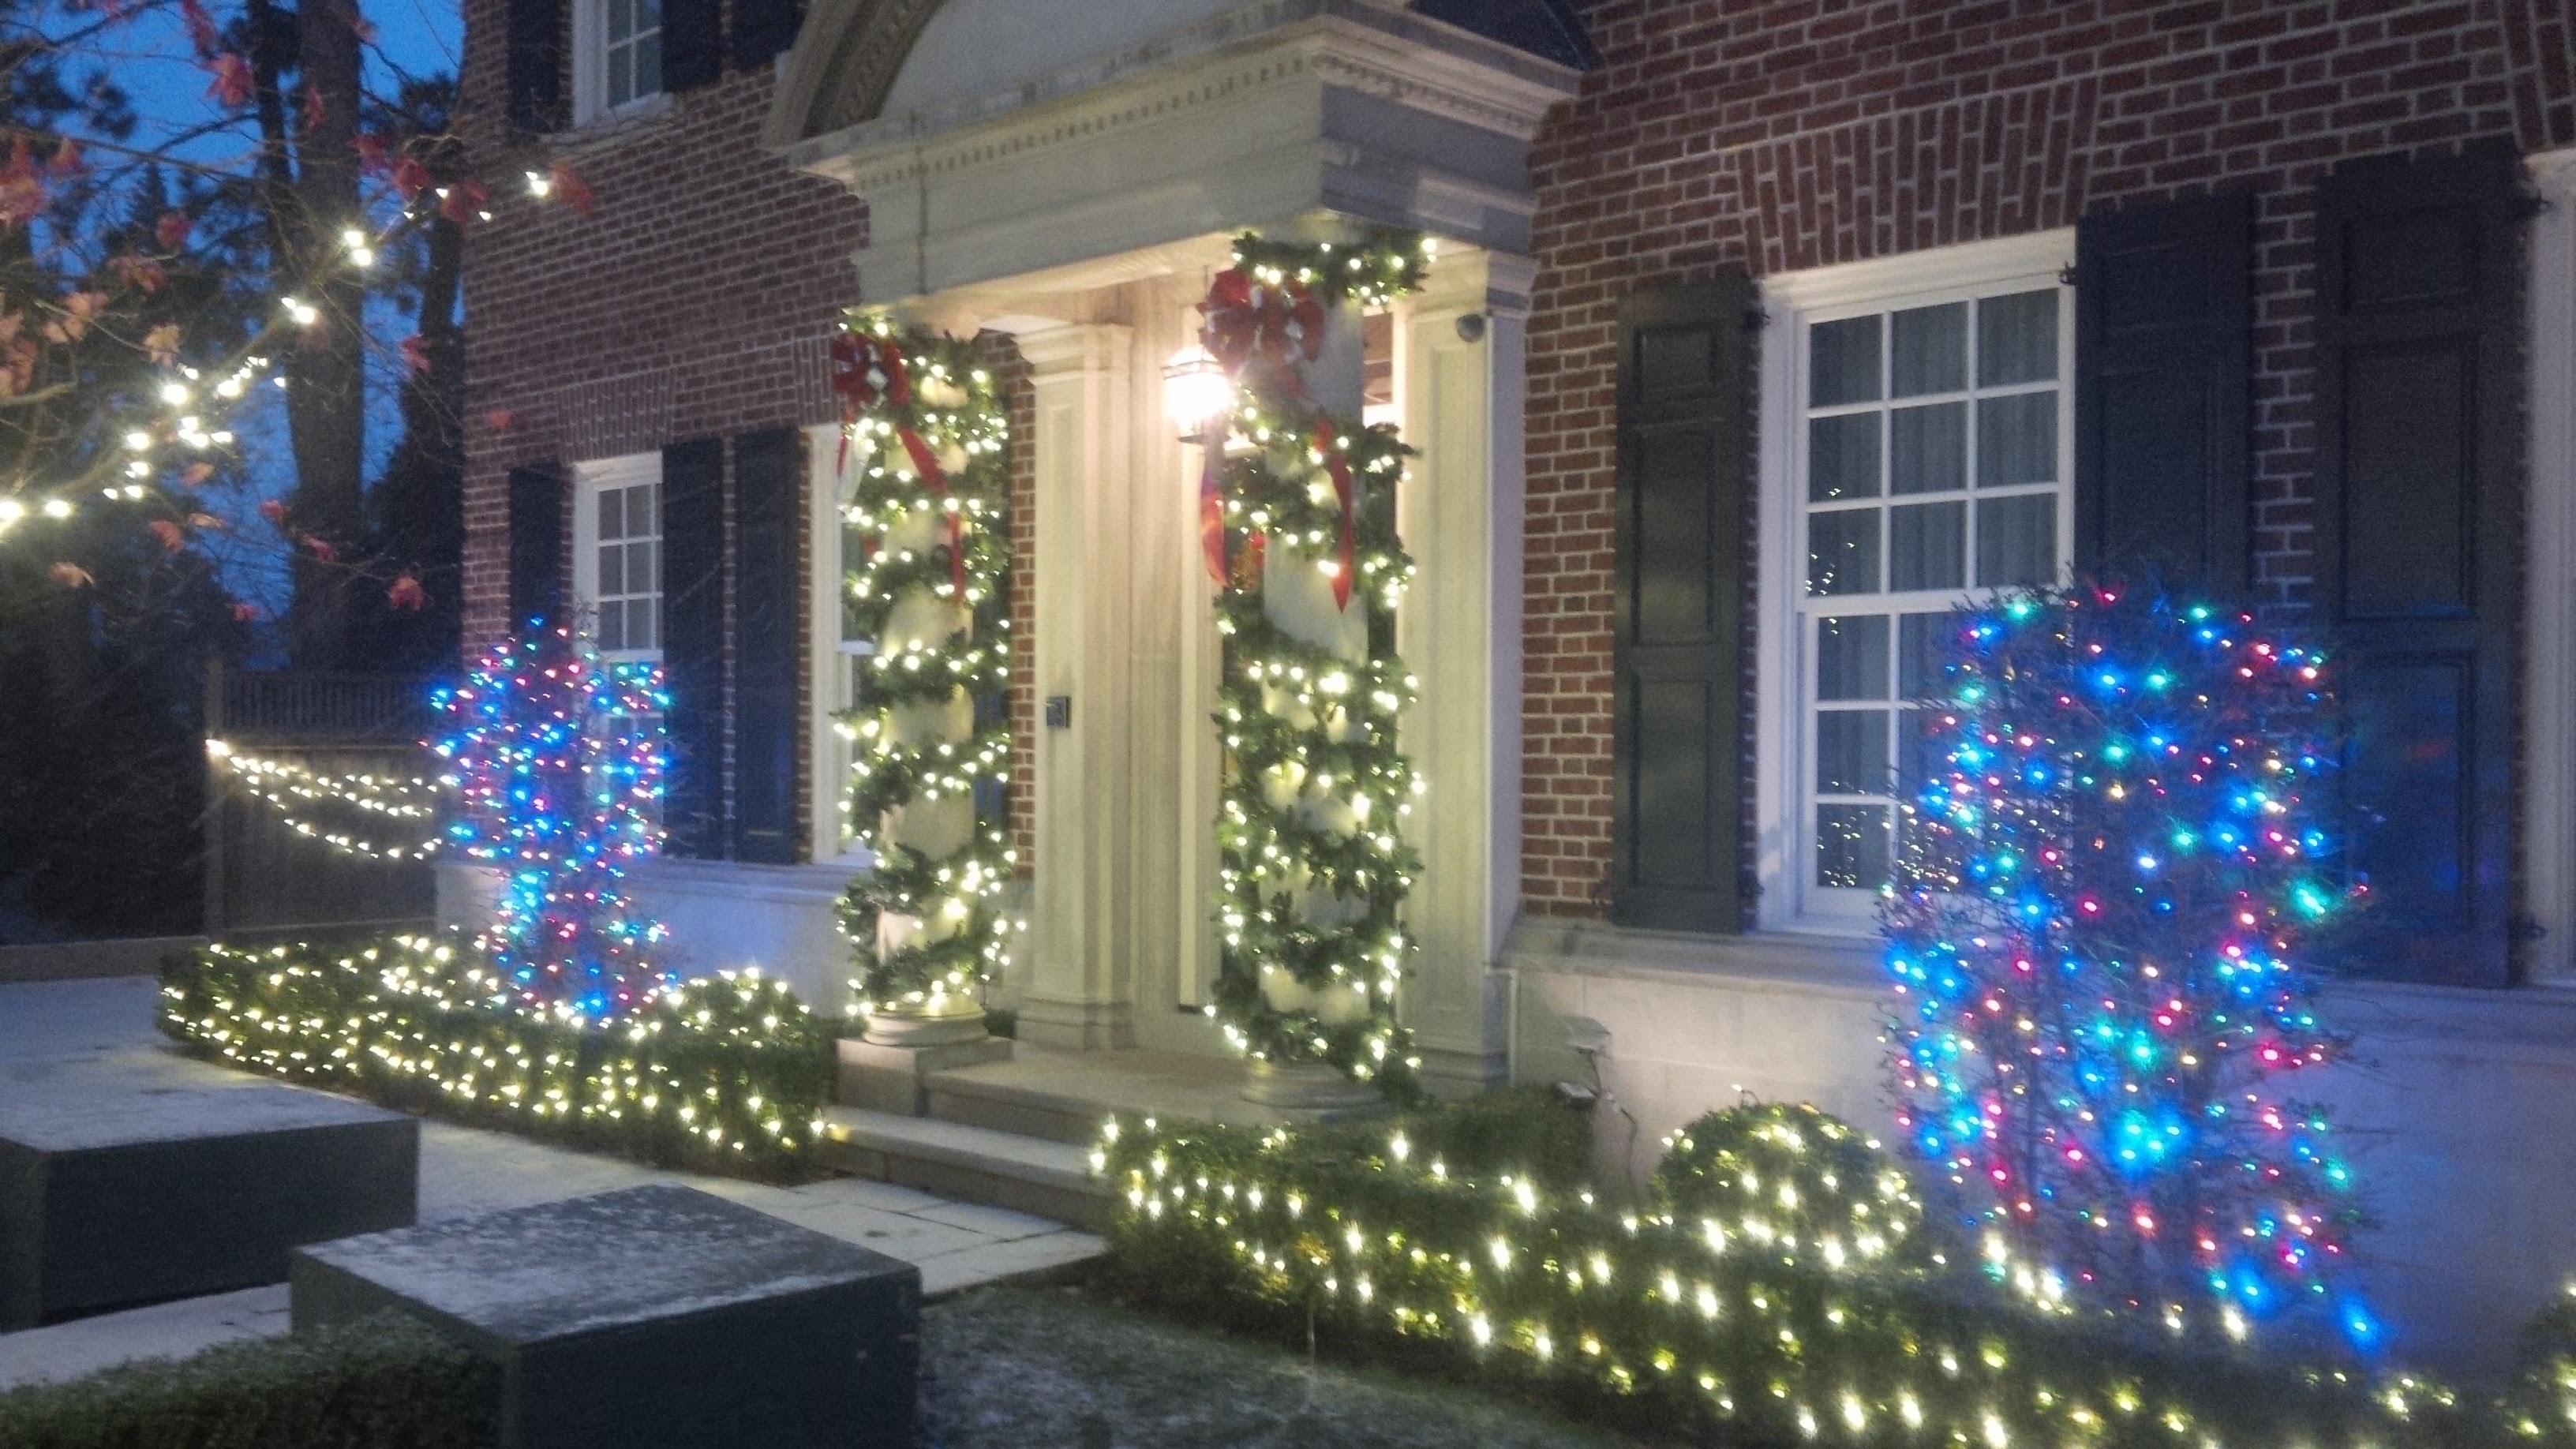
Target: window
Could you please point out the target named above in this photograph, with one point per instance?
(617, 555)
(617, 55)
(1927, 442)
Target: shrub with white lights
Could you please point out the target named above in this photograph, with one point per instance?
(728, 1072)
(1797, 1320)
(2100, 939)
(924, 426)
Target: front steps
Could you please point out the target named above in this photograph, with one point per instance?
(1017, 1132)
(973, 1164)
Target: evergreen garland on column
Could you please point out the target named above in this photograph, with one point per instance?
(926, 430)
(1313, 870)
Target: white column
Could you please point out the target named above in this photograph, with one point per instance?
(1083, 380)
(1459, 379)
(2549, 677)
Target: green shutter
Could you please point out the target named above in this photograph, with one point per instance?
(692, 43)
(1677, 820)
(2419, 561)
(693, 810)
(768, 476)
(536, 544)
(2164, 317)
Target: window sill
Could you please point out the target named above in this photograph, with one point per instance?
(608, 127)
(1764, 960)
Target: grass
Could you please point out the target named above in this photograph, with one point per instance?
(1007, 1368)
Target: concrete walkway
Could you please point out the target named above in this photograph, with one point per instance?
(101, 1031)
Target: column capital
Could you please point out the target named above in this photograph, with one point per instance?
(1074, 347)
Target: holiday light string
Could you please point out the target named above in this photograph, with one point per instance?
(556, 762)
(926, 444)
(175, 424)
(1815, 1315)
(1312, 867)
(2099, 937)
(289, 789)
(728, 1072)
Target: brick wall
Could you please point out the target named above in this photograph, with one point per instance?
(697, 300)
(1786, 134)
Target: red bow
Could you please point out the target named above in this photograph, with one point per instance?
(868, 373)
(1245, 319)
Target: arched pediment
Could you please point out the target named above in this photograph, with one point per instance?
(999, 138)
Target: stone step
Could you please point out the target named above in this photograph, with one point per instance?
(976, 1164)
(1064, 1096)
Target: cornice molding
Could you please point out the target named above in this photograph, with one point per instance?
(1348, 44)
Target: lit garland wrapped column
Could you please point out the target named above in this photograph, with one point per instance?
(1298, 525)
(927, 433)
(555, 761)
(2099, 939)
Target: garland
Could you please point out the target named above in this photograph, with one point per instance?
(1316, 787)
(273, 782)
(922, 422)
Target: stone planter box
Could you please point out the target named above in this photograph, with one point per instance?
(654, 1318)
(111, 1196)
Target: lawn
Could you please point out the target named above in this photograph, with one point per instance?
(1011, 1368)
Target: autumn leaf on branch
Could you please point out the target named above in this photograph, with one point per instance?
(161, 344)
(407, 594)
(70, 576)
(465, 202)
(233, 84)
(171, 231)
(141, 273)
(22, 191)
(274, 511)
(68, 161)
(172, 537)
(320, 548)
(196, 474)
(410, 178)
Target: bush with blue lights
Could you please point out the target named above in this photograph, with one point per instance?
(555, 761)
(2101, 935)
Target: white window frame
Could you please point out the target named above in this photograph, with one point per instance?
(592, 479)
(831, 663)
(1790, 901)
(590, 69)
(2549, 678)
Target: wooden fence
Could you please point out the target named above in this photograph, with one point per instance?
(263, 876)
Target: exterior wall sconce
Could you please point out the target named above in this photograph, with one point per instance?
(1196, 391)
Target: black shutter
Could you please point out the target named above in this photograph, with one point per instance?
(2418, 564)
(536, 544)
(768, 474)
(1678, 744)
(2164, 317)
(693, 643)
(692, 43)
(763, 28)
(536, 68)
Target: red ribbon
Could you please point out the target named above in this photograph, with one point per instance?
(1212, 504)
(1339, 465)
(868, 372)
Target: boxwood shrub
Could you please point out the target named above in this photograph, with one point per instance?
(726, 1073)
(381, 1383)
(1774, 1282)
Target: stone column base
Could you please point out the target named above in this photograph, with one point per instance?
(1306, 1087)
(895, 1079)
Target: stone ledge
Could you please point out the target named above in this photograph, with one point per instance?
(656, 1316)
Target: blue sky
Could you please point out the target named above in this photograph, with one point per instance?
(153, 61)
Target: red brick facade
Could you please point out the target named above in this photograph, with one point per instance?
(1774, 134)
(1788, 134)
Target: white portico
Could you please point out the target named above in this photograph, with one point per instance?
(1071, 176)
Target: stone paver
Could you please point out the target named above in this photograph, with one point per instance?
(101, 1031)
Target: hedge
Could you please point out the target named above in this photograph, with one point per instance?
(1776, 1280)
(728, 1073)
(380, 1383)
